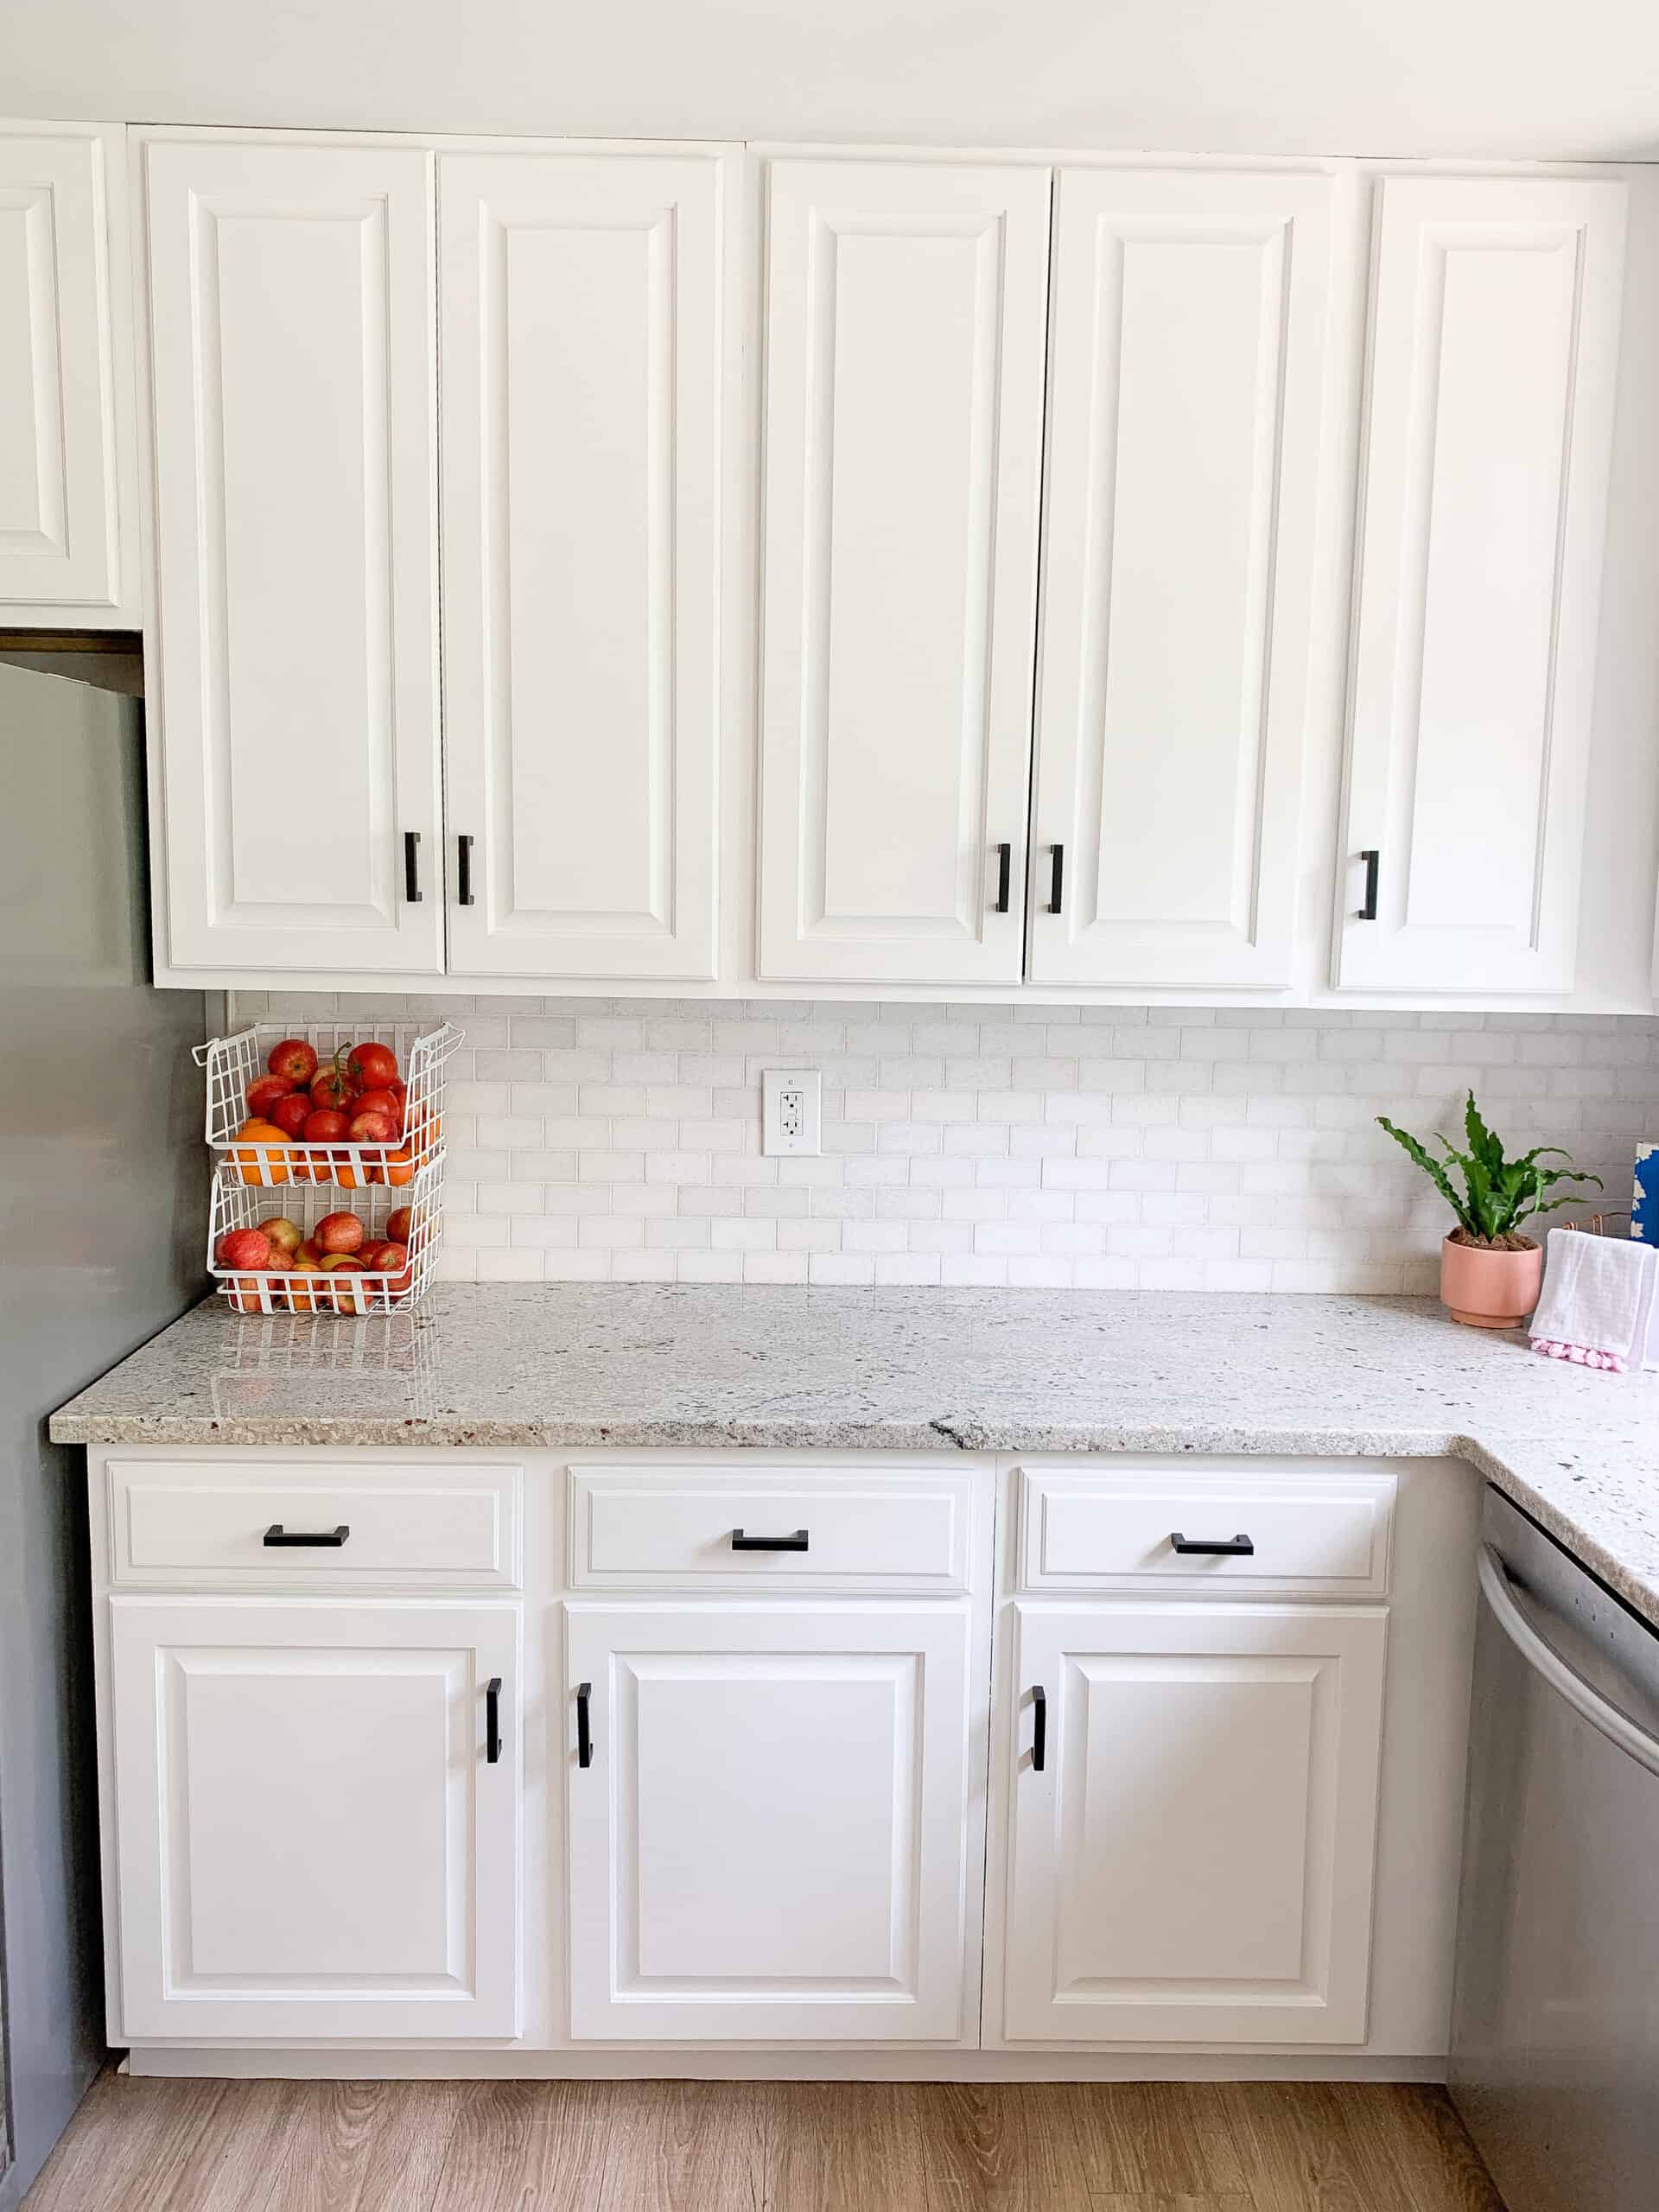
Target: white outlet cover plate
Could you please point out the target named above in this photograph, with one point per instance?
(792, 1112)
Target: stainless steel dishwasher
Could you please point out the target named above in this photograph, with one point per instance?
(1556, 2018)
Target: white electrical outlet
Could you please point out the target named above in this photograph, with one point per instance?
(791, 1119)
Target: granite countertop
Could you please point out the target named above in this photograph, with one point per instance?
(908, 1371)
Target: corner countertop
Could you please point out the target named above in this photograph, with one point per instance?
(905, 1370)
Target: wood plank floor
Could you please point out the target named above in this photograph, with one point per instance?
(691, 2147)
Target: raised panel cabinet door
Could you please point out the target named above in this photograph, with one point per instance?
(769, 1840)
(1489, 430)
(68, 524)
(905, 317)
(313, 1838)
(293, 654)
(583, 380)
(1192, 1860)
(1186, 376)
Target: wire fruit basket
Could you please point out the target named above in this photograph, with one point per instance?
(270, 1161)
(237, 1204)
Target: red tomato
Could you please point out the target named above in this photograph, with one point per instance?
(325, 1125)
(294, 1058)
(331, 1086)
(371, 1066)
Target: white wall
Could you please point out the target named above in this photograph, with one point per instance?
(1518, 77)
(1105, 1147)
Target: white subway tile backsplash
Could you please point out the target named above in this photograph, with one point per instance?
(1097, 1148)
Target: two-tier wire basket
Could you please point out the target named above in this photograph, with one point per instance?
(257, 1175)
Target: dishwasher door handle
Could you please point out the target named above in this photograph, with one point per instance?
(1568, 1683)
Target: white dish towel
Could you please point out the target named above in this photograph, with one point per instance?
(1597, 1305)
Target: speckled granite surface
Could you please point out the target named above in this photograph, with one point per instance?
(926, 1370)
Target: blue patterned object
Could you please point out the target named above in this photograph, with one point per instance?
(1645, 1204)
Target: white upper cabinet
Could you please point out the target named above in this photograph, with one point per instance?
(905, 316)
(68, 502)
(293, 645)
(583, 380)
(1485, 477)
(1185, 381)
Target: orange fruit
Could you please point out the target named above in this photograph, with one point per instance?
(399, 1168)
(266, 1159)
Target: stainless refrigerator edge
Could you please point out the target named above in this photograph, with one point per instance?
(102, 1206)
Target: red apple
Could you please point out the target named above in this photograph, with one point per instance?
(293, 1058)
(369, 1129)
(308, 1254)
(400, 1224)
(325, 1125)
(338, 1234)
(286, 1236)
(242, 1247)
(290, 1114)
(392, 1259)
(381, 1102)
(266, 1092)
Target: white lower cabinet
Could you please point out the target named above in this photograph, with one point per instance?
(314, 1837)
(1191, 1795)
(770, 1841)
(779, 1813)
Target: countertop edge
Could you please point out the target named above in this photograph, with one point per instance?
(942, 1434)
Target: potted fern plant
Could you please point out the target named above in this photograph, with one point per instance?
(1490, 1275)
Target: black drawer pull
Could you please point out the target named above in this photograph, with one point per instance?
(1056, 878)
(742, 1543)
(412, 866)
(463, 871)
(493, 1720)
(1004, 878)
(584, 1724)
(322, 1540)
(1038, 1728)
(1373, 862)
(1214, 1546)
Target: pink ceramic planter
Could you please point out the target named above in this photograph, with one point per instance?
(1490, 1290)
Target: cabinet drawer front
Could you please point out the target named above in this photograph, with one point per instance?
(200, 1525)
(650, 1527)
(1312, 1532)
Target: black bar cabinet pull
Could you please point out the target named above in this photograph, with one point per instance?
(1056, 881)
(493, 1720)
(1038, 1728)
(412, 866)
(584, 1724)
(464, 871)
(326, 1539)
(1004, 878)
(1214, 1546)
(742, 1543)
(1373, 860)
